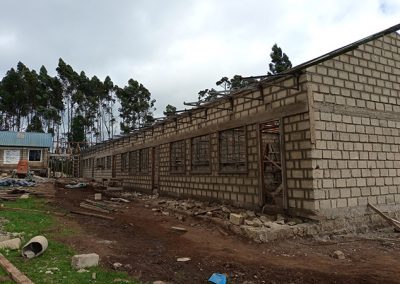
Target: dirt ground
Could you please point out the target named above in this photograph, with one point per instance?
(148, 249)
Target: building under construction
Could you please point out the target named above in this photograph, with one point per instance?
(320, 139)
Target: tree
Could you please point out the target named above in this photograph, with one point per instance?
(136, 106)
(169, 109)
(279, 61)
(35, 125)
(227, 85)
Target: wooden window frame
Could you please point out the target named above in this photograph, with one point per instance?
(198, 166)
(172, 158)
(236, 161)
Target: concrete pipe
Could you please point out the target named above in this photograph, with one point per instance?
(35, 247)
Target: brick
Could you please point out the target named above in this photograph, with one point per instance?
(236, 219)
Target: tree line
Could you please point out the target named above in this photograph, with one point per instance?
(71, 105)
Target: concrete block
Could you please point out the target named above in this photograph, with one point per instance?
(236, 219)
(85, 260)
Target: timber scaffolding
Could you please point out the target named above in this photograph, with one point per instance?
(65, 158)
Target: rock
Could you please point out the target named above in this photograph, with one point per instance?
(49, 272)
(291, 223)
(338, 254)
(183, 259)
(97, 196)
(85, 260)
(146, 206)
(249, 222)
(4, 175)
(11, 244)
(209, 214)
(82, 270)
(155, 209)
(266, 219)
(94, 276)
(117, 265)
(280, 219)
(225, 209)
(180, 218)
(159, 282)
(250, 214)
(24, 196)
(236, 219)
(119, 280)
(165, 213)
(257, 222)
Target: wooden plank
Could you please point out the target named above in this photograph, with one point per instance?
(15, 274)
(391, 221)
(92, 207)
(91, 214)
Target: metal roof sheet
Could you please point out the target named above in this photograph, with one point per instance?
(26, 139)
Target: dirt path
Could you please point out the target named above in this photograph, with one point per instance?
(148, 249)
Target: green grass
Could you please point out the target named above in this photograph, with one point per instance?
(57, 258)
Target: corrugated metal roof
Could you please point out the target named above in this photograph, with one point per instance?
(26, 139)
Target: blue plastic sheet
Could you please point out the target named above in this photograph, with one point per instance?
(16, 182)
(218, 278)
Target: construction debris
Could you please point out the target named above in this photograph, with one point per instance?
(178, 229)
(15, 274)
(80, 261)
(218, 278)
(35, 247)
(11, 244)
(91, 214)
(78, 185)
(93, 207)
(8, 182)
(338, 254)
(393, 222)
(118, 199)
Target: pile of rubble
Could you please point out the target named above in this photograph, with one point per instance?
(259, 227)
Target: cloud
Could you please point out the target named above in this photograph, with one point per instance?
(176, 48)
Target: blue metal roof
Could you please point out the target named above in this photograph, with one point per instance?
(26, 139)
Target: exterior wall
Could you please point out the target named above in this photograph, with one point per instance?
(24, 155)
(277, 103)
(356, 117)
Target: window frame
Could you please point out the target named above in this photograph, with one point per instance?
(29, 155)
(124, 161)
(244, 162)
(173, 166)
(198, 168)
(143, 161)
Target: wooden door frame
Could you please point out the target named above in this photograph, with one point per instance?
(261, 164)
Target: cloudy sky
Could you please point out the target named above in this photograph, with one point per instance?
(178, 47)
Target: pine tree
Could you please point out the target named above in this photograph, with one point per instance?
(279, 61)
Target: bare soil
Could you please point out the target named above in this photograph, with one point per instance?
(148, 249)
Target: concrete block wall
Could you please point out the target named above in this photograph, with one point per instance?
(356, 109)
(286, 102)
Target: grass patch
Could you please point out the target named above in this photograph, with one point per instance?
(54, 266)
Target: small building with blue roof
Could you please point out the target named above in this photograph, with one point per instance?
(31, 146)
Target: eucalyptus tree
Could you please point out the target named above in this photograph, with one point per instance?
(136, 106)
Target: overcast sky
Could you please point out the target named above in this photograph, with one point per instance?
(178, 47)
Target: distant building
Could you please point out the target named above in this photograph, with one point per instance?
(31, 146)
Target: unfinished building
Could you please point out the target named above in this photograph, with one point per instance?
(320, 139)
